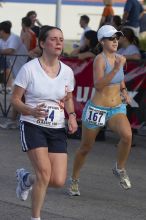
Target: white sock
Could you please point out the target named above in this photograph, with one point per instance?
(29, 181)
(35, 218)
(118, 168)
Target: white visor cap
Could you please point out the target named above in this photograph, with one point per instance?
(107, 31)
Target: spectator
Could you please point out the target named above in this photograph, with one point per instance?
(5, 75)
(133, 11)
(28, 37)
(5, 70)
(33, 17)
(36, 52)
(143, 24)
(84, 21)
(16, 55)
(116, 22)
(89, 48)
(107, 14)
(129, 45)
(11, 44)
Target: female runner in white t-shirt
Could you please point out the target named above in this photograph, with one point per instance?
(46, 84)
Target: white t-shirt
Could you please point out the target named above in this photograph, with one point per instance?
(82, 36)
(14, 42)
(130, 50)
(40, 88)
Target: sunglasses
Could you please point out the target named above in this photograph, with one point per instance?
(112, 38)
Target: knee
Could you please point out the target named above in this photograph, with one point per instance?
(43, 177)
(58, 182)
(127, 138)
(85, 149)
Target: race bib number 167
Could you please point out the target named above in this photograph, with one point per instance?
(96, 116)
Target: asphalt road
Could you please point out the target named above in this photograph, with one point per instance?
(101, 196)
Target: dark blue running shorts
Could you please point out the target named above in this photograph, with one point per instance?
(34, 136)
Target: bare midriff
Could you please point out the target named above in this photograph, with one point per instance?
(109, 96)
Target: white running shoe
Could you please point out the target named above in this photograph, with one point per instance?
(9, 124)
(22, 191)
(123, 177)
(73, 188)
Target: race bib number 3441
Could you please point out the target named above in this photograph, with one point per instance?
(96, 116)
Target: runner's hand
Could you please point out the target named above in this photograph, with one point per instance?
(72, 124)
(126, 98)
(119, 61)
(39, 111)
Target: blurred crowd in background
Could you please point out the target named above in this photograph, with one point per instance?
(16, 50)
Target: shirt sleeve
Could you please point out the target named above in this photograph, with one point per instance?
(128, 6)
(71, 81)
(22, 78)
(14, 43)
(133, 50)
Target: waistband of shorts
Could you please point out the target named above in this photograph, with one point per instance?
(104, 107)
